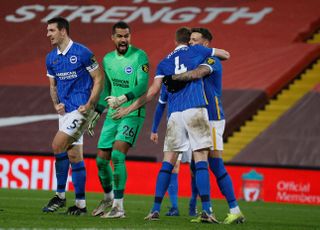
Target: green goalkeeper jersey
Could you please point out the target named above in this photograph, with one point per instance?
(125, 74)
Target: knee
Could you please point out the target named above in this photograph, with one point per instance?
(101, 163)
(104, 154)
(56, 147)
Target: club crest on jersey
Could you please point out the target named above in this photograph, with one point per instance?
(128, 70)
(145, 68)
(210, 61)
(73, 59)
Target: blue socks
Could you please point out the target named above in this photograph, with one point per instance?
(223, 180)
(62, 169)
(79, 179)
(162, 184)
(194, 190)
(173, 190)
(203, 185)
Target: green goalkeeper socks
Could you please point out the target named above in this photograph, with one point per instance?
(119, 174)
(105, 174)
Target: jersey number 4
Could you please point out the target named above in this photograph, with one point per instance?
(179, 68)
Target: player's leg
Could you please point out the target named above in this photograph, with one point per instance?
(175, 142)
(222, 176)
(203, 184)
(106, 180)
(106, 139)
(187, 158)
(173, 189)
(127, 132)
(162, 183)
(194, 190)
(79, 176)
(70, 139)
(60, 144)
(198, 127)
(118, 157)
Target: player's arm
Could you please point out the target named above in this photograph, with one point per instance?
(59, 107)
(145, 98)
(158, 115)
(222, 54)
(197, 73)
(156, 121)
(100, 107)
(98, 82)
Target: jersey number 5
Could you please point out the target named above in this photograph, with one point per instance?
(180, 68)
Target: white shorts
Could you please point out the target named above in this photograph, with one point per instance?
(74, 124)
(189, 128)
(217, 130)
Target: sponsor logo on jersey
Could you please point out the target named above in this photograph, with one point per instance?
(73, 59)
(120, 83)
(210, 61)
(145, 68)
(128, 70)
(67, 75)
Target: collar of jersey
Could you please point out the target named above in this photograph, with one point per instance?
(66, 49)
(180, 46)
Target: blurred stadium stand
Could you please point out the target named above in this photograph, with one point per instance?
(267, 41)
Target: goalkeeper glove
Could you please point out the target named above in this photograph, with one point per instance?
(115, 102)
(93, 120)
(173, 86)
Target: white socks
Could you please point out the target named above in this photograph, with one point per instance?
(235, 210)
(108, 196)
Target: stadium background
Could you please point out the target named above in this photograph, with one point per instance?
(268, 41)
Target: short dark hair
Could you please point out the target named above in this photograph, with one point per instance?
(61, 22)
(204, 32)
(183, 35)
(120, 25)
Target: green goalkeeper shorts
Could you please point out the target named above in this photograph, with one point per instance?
(126, 129)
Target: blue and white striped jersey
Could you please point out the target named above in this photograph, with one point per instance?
(70, 69)
(182, 59)
(213, 88)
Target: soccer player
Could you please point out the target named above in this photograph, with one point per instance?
(188, 123)
(213, 90)
(126, 71)
(75, 85)
(183, 157)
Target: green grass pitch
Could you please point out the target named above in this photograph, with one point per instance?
(22, 209)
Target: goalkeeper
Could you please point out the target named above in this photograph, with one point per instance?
(126, 71)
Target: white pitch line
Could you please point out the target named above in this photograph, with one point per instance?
(18, 120)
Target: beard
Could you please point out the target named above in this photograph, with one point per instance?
(122, 48)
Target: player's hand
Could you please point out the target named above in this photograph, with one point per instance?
(60, 108)
(86, 110)
(154, 137)
(115, 102)
(172, 85)
(92, 122)
(120, 112)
